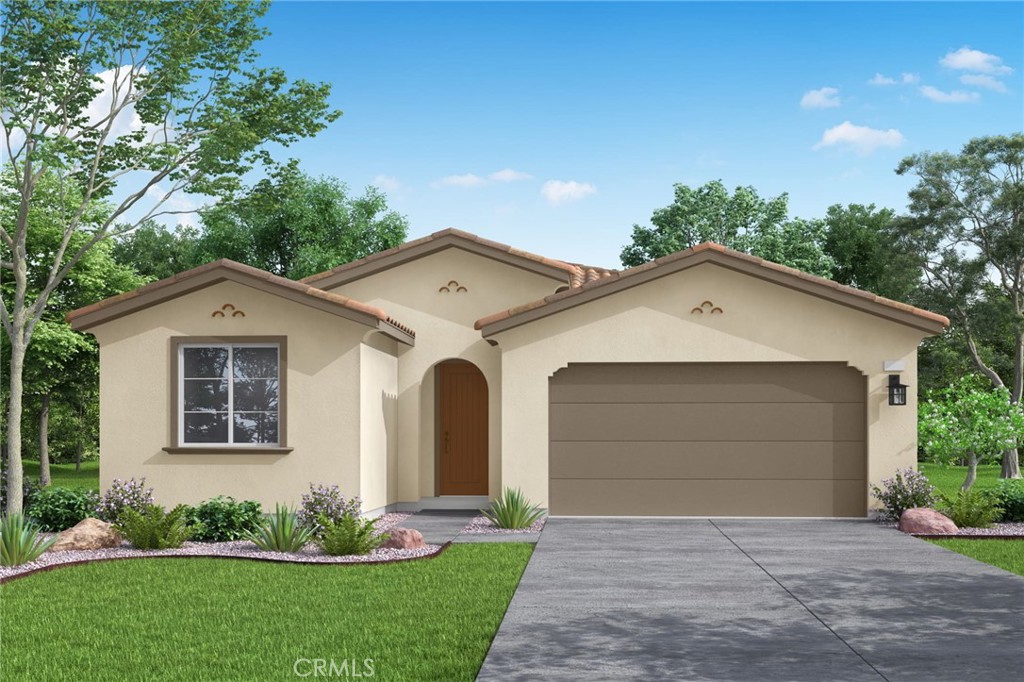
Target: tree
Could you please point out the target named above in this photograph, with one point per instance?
(132, 103)
(859, 240)
(742, 221)
(965, 421)
(965, 226)
(294, 225)
(155, 252)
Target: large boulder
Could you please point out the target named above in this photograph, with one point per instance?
(88, 534)
(920, 520)
(404, 538)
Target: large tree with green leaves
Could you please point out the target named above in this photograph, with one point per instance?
(742, 220)
(132, 103)
(295, 225)
(965, 227)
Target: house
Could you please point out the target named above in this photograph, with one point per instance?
(707, 382)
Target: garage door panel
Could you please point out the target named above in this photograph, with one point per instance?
(712, 383)
(707, 460)
(711, 422)
(675, 497)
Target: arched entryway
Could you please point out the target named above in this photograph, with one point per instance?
(461, 429)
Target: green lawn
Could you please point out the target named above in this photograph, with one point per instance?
(948, 479)
(216, 619)
(65, 475)
(1006, 554)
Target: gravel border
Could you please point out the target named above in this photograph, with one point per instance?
(238, 549)
(481, 525)
(1007, 531)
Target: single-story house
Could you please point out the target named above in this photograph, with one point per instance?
(432, 375)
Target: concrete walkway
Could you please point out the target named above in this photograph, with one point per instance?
(614, 599)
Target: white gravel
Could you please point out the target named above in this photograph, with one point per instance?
(481, 525)
(311, 554)
(1014, 529)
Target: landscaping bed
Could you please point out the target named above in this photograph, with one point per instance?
(481, 525)
(239, 549)
(996, 530)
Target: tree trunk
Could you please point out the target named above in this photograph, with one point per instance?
(15, 473)
(972, 470)
(1011, 464)
(44, 440)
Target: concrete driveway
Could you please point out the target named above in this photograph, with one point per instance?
(692, 599)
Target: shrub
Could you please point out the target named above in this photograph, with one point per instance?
(1010, 493)
(55, 508)
(154, 528)
(350, 535)
(906, 490)
(513, 510)
(971, 508)
(281, 532)
(223, 519)
(30, 487)
(20, 541)
(121, 495)
(327, 502)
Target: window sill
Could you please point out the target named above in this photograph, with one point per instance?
(193, 450)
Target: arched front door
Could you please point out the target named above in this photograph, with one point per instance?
(462, 429)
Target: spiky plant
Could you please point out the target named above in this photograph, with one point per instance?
(512, 510)
(20, 541)
(281, 532)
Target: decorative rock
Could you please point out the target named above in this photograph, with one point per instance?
(88, 534)
(404, 538)
(926, 521)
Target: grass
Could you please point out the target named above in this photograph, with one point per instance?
(1005, 554)
(215, 619)
(948, 479)
(65, 476)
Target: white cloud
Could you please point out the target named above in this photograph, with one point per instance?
(464, 180)
(966, 59)
(983, 81)
(954, 97)
(879, 79)
(824, 98)
(861, 139)
(559, 192)
(387, 183)
(509, 175)
(909, 78)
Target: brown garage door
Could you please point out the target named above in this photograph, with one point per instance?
(735, 439)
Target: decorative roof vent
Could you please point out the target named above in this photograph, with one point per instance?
(707, 307)
(227, 309)
(453, 286)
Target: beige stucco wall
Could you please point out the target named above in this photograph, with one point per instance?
(378, 420)
(652, 322)
(322, 399)
(444, 330)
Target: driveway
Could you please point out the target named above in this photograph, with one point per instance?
(698, 599)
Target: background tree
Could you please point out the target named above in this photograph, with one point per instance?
(294, 225)
(131, 103)
(965, 226)
(155, 252)
(742, 220)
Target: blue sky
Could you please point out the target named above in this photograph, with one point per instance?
(599, 108)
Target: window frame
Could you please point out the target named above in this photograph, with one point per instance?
(177, 384)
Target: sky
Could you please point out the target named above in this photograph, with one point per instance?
(555, 127)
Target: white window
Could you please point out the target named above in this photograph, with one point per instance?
(229, 394)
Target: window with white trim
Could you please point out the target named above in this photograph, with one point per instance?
(229, 394)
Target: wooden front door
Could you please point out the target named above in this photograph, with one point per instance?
(462, 432)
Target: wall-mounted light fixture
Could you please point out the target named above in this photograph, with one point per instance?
(897, 391)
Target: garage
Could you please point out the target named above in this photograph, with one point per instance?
(708, 439)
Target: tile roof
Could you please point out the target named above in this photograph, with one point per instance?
(611, 277)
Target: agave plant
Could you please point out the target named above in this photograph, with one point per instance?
(20, 541)
(281, 532)
(512, 510)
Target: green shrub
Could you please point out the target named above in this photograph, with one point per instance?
(971, 508)
(20, 541)
(155, 528)
(908, 489)
(121, 495)
(1010, 493)
(55, 508)
(223, 519)
(349, 535)
(280, 532)
(513, 510)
